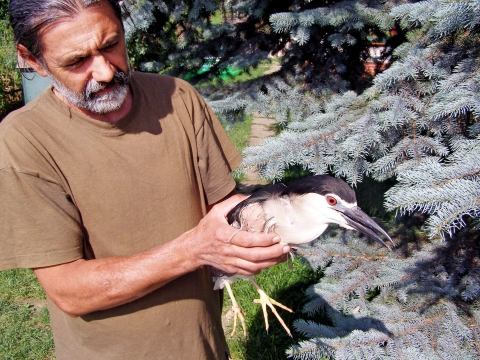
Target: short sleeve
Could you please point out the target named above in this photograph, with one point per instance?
(217, 157)
(39, 225)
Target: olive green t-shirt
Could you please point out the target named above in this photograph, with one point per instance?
(73, 187)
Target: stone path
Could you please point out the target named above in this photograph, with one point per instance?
(262, 128)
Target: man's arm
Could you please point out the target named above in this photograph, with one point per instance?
(84, 286)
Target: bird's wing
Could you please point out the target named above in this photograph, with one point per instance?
(236, 216)
(249, 215)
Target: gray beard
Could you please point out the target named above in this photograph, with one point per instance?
(89, 100)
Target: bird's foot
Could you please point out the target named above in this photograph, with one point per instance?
(265, 301)
(237, 312)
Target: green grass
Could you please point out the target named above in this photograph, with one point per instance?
(239, 133)
(24, 318)
(249, 74)
(217, 18)
(285, 283)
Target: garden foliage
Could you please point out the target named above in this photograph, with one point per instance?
(10, 92)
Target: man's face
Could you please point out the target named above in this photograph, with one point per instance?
(85, 56)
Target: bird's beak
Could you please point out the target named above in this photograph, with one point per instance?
(363, 223)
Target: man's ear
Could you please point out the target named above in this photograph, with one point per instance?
(31, 61)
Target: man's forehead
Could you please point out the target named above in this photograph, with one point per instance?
(85, 31)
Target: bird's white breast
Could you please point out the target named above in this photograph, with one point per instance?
(298, 219)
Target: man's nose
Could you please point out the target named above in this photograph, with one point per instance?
(102, 69)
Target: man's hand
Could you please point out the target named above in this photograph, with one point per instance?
(83, 286)
(231, 250)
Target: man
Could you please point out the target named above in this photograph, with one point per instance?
(105, 181)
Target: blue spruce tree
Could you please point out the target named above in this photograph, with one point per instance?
(418, 124)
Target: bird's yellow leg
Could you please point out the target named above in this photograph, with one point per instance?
(237, 311)
(265, 301)
(291, 257)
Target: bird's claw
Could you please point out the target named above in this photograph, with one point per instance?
(265, 301)
(237, 312)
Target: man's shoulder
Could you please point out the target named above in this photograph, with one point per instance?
(26, 116)
(15, 122)
(21, 129)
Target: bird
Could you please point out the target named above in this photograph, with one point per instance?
(298, 212)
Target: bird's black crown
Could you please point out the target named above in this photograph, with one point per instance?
(322, 184)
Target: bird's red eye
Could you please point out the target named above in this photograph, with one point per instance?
(331, 201)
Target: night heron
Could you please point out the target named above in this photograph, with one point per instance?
(299, 213)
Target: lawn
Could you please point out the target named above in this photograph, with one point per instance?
(24, 318)
(240, 75)
(239, 132)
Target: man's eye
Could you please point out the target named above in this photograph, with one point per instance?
(110, 46)
(76, 63)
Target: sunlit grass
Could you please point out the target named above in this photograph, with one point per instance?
(248, 74)
(217, 18)
(239, 133)
(25, 331)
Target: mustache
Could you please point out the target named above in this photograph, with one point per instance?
(119, 79)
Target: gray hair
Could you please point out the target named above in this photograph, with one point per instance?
(30, 17)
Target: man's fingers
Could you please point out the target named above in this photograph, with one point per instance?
(244, 267)
(259, 254)
(247, 239)
(234, 233)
